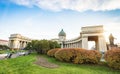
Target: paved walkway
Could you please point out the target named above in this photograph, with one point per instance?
(2, 56)
(14, 55)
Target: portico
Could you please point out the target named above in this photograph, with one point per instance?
(17, 41)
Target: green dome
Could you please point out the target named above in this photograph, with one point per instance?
(62, 33)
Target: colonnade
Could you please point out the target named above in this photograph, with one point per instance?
(89, 33)
(72, 45)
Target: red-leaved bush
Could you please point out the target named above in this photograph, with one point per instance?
(113, 58)
(51, 52)
(66, 54)
(87, 56)
(78, 55)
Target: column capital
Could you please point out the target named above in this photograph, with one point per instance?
(84, 36)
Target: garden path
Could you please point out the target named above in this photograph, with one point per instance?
(41, 61)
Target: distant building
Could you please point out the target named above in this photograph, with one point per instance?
(3, 42)
(17, 41)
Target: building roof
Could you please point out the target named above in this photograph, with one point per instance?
(62, 33)
(3, 40)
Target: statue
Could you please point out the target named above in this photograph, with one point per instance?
(111, 39)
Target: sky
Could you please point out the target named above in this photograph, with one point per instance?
(44, 19)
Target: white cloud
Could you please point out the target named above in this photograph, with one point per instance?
(28, 3)
(77, 5)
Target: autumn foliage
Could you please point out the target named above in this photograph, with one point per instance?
(78, 55)
(87, 56)
(66, 54)
(113, 58)
(51, 52)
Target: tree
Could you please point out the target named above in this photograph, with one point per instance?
(42, 46)
(4, 47)
(32, 46)
(54, 44)
(45, 45)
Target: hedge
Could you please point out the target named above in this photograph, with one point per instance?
(112, 58)
(87, 56)
(65, 54)
(78, 55)
(51, 52)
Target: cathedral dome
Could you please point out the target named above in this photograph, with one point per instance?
(62, 33)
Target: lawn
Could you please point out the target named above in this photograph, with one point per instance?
(3, 51)
(24, 65)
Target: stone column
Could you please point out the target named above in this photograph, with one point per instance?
(61, 44)
(11, 43)
(20, 45)
(24, 44)
(85, 42)
(102, 44)
(77, 44)
(74, 45)
(66, 45)
(16, 44)
(69, 45)
(96, 45)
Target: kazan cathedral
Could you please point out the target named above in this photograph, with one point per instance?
(88, 33)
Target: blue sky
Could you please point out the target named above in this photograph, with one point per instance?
(43, 19)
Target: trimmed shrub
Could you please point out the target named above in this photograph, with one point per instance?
(113, 58)
(66, 54)
(93, 56)
(51, 52)
(78, 55)
(87, 56)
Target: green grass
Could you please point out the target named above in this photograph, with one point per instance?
(24, 65)
(3, 51)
